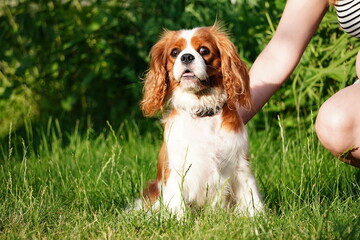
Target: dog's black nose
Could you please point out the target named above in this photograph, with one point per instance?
(187, 58)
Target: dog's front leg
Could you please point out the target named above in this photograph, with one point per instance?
(246, 193)
(172, 197)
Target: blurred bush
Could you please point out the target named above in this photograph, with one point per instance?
(78, 59)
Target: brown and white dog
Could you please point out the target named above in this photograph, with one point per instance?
(198, 76)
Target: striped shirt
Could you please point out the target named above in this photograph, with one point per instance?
(348, 13)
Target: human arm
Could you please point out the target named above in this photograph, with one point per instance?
(277, 61)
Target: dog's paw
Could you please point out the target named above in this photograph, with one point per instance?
(138, 205)
(250, 210)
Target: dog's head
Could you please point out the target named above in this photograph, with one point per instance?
(199, 62)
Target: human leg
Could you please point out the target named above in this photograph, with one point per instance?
(338, 125)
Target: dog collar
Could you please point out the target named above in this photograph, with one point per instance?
(207, 112)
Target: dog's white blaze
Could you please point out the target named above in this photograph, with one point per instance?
(187, 35)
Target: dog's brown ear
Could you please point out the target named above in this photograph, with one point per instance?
(156, 82)
(234, 71)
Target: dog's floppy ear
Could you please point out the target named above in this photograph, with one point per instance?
(156, 82)
(234, 71)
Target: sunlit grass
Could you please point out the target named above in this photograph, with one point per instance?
(77, 185)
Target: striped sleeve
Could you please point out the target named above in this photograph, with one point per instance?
(348, 13)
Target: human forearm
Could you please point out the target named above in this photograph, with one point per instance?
(278, 60)
(270, 70)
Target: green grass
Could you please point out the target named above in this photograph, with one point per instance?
(72, 185)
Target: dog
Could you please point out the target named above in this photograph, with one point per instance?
(198, 82)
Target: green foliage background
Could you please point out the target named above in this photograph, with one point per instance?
(73, 60)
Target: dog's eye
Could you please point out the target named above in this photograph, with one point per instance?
(175, 52)
(204, 51)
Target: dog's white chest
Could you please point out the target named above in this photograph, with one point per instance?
(202, 153)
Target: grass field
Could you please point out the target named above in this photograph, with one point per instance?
(68, 185)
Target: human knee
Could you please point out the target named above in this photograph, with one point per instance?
(334, 127)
